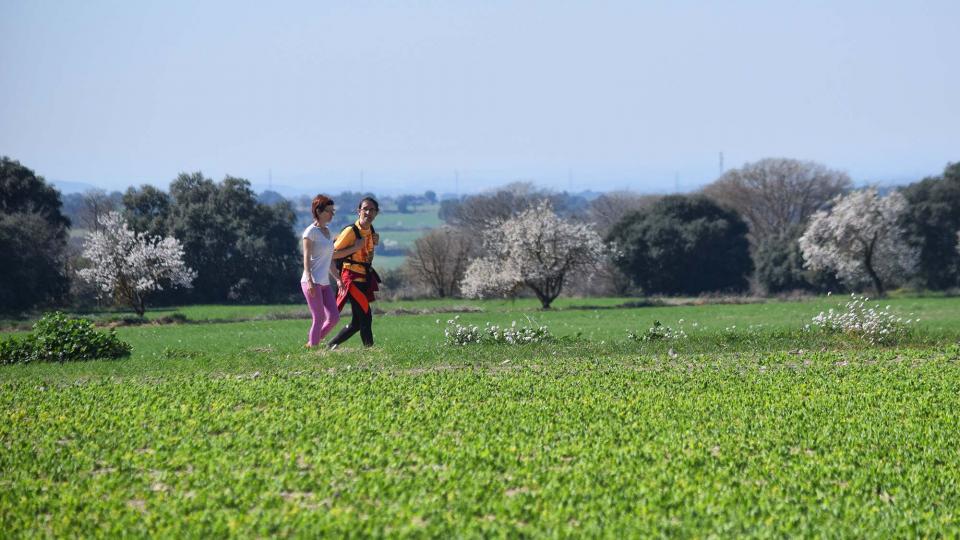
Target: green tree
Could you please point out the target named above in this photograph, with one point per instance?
(147, 209)
(33, 237)
(779, 266)
(404, 202)
(242, 250)
(931, 221)
(779, 262)
(684, 245)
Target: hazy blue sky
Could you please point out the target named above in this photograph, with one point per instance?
(569, 94)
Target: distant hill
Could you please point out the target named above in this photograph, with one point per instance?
(67, 187)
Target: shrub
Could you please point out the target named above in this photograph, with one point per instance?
(858, 319)
(462, 334)
(59, 338)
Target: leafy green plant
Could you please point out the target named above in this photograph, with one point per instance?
(59, 338)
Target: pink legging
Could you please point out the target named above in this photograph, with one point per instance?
(323, 308)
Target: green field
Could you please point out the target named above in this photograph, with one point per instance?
(750, 426)
(405, 239)
(424, 217)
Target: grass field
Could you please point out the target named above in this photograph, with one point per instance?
(424, 217)
(751, 426)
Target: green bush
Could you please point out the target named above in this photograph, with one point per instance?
(59, 338)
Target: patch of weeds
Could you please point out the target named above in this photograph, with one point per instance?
(859, 320)
(173, 318)
(174, 353)
(658, 332)
(431, 311)
(283, 315)
(458, 334)
(123, 320)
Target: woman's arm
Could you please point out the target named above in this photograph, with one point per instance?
(334, 274)
(306, 262)
(346, 252)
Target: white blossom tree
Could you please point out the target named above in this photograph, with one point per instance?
(128, 265)
(860, 239)
(535, 249)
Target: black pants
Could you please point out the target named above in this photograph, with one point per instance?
(360, 322)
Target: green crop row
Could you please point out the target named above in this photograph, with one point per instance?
(750, 425)
(857, 444)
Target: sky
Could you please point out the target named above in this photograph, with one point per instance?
(461, 96)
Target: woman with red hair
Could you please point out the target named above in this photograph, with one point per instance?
(318, 266)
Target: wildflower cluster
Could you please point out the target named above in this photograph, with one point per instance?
(658, 332)
(457, 333)
(859, 319)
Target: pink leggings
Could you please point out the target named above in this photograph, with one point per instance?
(323, 308)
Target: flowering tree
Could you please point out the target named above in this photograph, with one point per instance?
(128, 265)
(535, 249)
(860, 239)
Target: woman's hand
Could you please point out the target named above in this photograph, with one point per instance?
(310, 287)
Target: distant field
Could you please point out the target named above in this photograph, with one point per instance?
(404, 229)
(424, 217)
(388, 262)
(751, 426)
(404, 239)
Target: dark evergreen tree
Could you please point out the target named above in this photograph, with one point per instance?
(147, 209)
(684, 245)
(243, 250)
(779, 262)
(932, 221)
(33, 238)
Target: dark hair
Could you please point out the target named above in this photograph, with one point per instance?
(371, 200)
(320, 203)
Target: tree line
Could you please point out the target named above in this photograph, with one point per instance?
(769, 227)
(772, 226)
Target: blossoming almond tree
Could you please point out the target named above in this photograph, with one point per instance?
(860, 239)
(535, 249)
(128, 265)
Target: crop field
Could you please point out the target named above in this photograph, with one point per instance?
(748, 425)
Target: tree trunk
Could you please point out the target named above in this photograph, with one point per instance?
(546, 293)
(139, 305)
(868, 265)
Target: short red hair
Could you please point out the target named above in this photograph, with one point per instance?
(320, 203)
